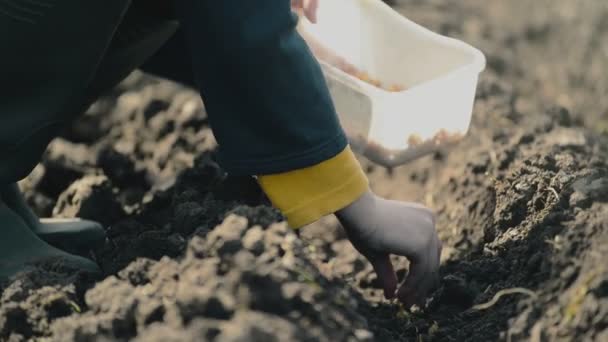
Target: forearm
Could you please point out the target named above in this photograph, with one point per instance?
(266, 96)
(269, 106)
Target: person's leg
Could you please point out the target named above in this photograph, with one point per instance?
(139, 35)
(71, 235)
(137, 41)
(19, 246)
(51, 50)
(172, 61)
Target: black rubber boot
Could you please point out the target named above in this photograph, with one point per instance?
(57, 58)
(72, 235)
(138, 36)
(51, 51)
(20, 247)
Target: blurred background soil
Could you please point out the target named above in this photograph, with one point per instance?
(195, 254)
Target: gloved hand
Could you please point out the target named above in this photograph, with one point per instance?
(378, 227)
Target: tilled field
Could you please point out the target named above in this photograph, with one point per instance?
(193, 254)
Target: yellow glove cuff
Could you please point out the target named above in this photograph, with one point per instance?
(305, 195)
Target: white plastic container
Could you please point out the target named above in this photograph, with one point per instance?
(439, 74)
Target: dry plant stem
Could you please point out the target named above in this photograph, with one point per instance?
(502, 293)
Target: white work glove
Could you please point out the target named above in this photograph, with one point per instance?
(378, 228)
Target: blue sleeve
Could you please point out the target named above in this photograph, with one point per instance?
(265, 94)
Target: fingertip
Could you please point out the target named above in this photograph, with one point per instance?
(389, 284)
(407, 292)
(406, 298)
(409, 298)
(386, 275)
(390, 293)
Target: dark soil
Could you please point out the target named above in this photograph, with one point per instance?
(194, 254)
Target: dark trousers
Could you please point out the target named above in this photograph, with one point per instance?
(267, 100)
